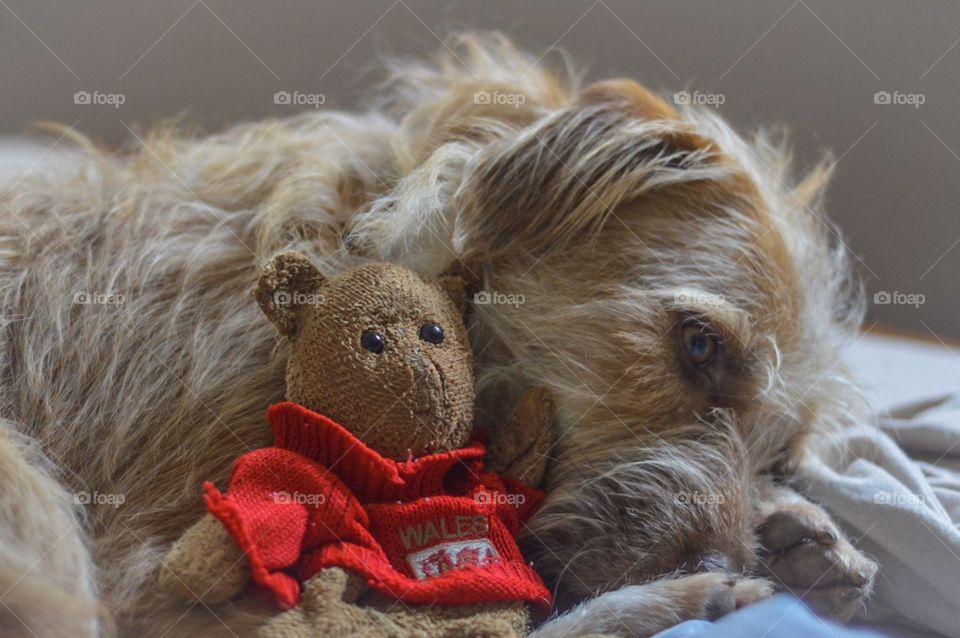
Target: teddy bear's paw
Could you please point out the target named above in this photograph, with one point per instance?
(481, 628)
(204, 564)
(482, 620)
(807, 555)
(341, 619)
(521, 449)
(330, 586)
(327, 608)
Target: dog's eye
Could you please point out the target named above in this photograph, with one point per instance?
(431, 333)
(372, 341)
(700, 345)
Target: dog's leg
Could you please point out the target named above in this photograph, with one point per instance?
(643, 610)
(47, 582)
(804, 552)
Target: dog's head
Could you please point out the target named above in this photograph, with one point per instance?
(674, 286)
(675, 278)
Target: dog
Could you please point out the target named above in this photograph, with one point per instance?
(675, 287)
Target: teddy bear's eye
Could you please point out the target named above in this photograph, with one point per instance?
(431, 333)
(372, 341)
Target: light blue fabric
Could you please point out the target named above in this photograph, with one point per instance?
(687, 629)
(781, 616)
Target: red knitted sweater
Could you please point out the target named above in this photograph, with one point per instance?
(432, 530)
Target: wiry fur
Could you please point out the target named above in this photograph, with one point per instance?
(609, 222)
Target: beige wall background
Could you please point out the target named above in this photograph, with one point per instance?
(813, 65)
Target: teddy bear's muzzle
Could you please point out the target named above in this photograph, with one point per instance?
(429, 392)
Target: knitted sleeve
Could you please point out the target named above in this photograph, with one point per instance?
(276, 505)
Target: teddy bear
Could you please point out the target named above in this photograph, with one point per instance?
(378, 511)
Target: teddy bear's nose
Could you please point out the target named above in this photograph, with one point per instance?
(428, 385)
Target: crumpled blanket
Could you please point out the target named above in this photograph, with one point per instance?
(780, 616)
(896, 489)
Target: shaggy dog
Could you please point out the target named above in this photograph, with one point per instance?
(670, 282)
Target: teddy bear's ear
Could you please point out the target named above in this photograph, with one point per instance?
(456, 288)
(288, 283)
(459, 283)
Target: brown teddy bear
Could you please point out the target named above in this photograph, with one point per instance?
(374, 495)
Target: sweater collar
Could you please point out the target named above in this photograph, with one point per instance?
(370, 475)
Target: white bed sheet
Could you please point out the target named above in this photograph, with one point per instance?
(898, 372)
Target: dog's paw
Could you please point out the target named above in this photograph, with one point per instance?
(747, 591)
(710, 595)
(804, 553)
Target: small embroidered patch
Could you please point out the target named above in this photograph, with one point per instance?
(446, 556)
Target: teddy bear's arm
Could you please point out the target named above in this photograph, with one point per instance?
(522, 447)
(205, 564)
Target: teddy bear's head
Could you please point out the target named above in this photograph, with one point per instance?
(377, 349)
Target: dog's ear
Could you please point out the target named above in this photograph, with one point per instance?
(630, 97)
(287, 285)
(558, 181)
